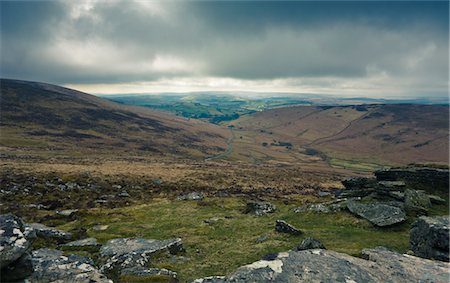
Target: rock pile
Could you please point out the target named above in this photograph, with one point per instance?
(122, 256)
(387, 199)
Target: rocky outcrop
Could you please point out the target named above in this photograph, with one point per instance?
(284, 227)
(51, 266)
(328, 266)
(378, 214)
(125, 253)
(309, 244)
(429, 237)
(259, 208)
(433, 178)
(387, 200)
(46, 232)
(15, 239)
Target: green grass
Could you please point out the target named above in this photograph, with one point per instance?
(229, 242)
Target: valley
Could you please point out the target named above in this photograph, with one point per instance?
(94, 169)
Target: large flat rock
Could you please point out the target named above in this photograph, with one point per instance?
(379, 214)
(124, 253)
(319, 265)
(52, 266)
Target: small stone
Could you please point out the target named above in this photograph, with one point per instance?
(284, 227)
(309, 244)
(261, 239)
(67, 212)
(323, 194)
(259, 208)
(88, 242)
(123, 194)
(100, 227)
(191, 196)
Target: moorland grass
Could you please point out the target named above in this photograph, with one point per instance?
(226, 240)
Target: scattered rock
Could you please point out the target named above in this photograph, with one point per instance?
(122, 253)
(211, 279)
(417, 202)
(211, 220)
(378, 214)
(191, 196)
(17, 270)
(429, 237)
(323, 194)
(310, 243)
(51, 266)
(15, 239)
(67, 212)
(100, 227)
(437, 200)
(123, 194)
(88, 242)
(284, 227)
(321, 207)
(259, 208)
(261, 239)
(46, 232)
(143, 271)
(329, 266)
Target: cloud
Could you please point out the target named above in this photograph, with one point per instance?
(349, 46)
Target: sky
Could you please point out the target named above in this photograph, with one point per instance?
(348, 48)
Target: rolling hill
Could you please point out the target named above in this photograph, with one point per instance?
(375, 134)
(38, 117)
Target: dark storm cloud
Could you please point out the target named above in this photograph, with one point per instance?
(124, 41)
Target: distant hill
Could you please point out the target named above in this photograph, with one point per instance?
(379, 134)
(51, 119)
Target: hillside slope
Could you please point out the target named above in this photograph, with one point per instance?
(51, 119)
(381, 134)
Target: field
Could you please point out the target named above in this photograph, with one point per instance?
(212, 107)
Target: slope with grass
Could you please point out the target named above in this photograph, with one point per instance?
(342, 135)
(48, 119)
